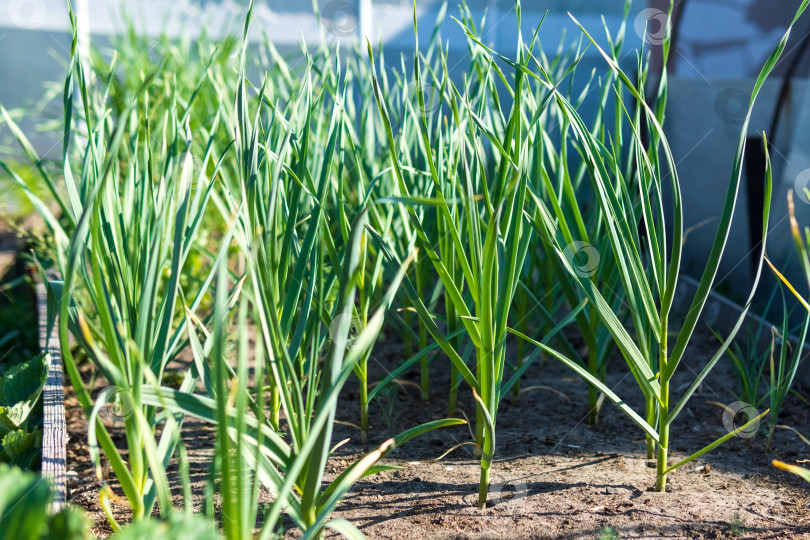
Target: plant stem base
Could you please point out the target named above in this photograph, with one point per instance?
(483, 488)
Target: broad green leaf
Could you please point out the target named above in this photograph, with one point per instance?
(24, 381)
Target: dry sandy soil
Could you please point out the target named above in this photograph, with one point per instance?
(555, 476)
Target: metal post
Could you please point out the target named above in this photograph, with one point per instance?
(365, 27)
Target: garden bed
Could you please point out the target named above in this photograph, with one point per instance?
(555, 475)
(278, 267)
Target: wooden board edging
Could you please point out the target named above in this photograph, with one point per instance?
(54, 436)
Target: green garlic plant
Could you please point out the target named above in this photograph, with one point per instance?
(648, 267)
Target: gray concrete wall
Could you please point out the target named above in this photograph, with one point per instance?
(35, 38)
(703, 125)
(719, 50)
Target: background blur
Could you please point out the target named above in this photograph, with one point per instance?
(718, 48)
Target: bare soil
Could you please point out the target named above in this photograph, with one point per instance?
(554, 476)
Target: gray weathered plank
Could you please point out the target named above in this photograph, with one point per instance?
(54, 437)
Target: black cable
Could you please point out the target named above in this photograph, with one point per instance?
(756, 161)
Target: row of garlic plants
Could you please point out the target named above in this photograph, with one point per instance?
(274, 227)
